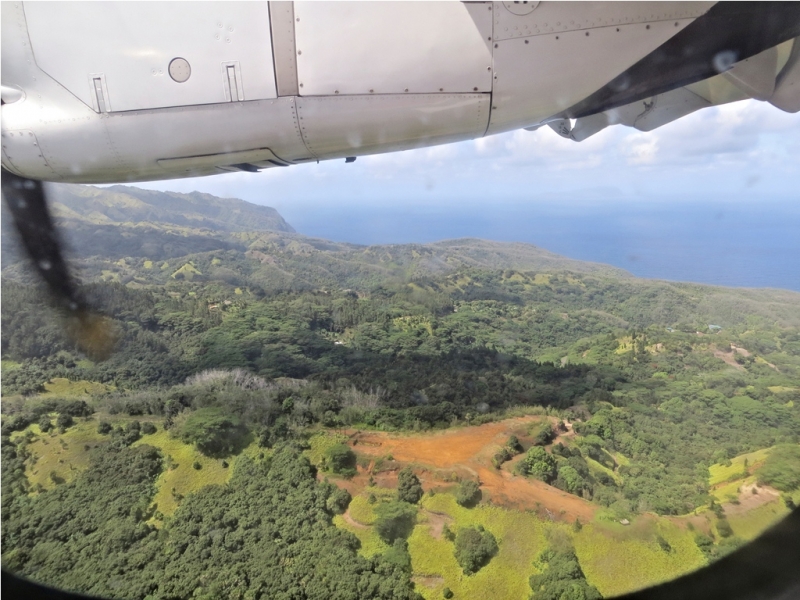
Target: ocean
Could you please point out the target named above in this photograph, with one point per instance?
(736, 243)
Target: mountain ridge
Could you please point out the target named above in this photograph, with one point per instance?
(120, 222)
(157, 253)
(127, 204)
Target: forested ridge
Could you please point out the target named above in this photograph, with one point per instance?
(245, 344)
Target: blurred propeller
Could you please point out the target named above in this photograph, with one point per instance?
(26, 200)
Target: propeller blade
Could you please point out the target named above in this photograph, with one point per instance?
(27, 202)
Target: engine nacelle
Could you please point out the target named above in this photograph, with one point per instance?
(126, 91)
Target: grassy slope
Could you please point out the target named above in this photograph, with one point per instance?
(521, 536)
(726, 480)
(720, 473)
(64, 454)
(60, 386)
(595, 467)
(371, 544)
(179, 474)
(752, 523)
(615, 558)
(618, 559)
(320, 443)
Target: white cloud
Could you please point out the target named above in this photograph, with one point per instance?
(640, 148)
(736, 147)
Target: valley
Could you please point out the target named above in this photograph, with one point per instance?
(403, 395)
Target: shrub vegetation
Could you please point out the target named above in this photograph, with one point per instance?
(474, 547)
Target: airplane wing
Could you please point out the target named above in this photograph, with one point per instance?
(124, 91)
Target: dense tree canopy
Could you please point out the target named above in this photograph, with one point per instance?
(395, 520)
(409, 488)
(468, 493)
(539, 463)
(562, 577)
(266, 534)
(474, 547)
(781, 469)
(214, 431)
(341, 459)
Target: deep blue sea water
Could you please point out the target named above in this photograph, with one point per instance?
(742, 243)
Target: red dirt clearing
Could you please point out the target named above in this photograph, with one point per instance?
(748, 500)
(468, 451)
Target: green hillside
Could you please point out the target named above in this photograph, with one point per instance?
(121, 204)
(121, 221)
(633, 424)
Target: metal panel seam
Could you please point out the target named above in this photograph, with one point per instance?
(110, 141)
(299, 128)
(272, 42)
(493, 8)
(284, 63)
(36, 62)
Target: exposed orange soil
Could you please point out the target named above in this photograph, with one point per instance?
(467, 452)
(353, 485)
(441, 449)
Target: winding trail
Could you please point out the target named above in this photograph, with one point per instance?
(351, 521)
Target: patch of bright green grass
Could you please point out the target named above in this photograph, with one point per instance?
(541, 279)
(371, 543)
(726, 492)
(179, 475)
(63, 454)
(187, 272)
(752, 523)
(520, 537)
(596, 467)
(9, 365)
(363, 514)
(617, 560)
(320, 443)
(434, 558)
(360, 508)
(621, 459)
(362, 511)
(60, 386)
(720, 473)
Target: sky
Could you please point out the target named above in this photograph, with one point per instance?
(712, 198)
(744, 151)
